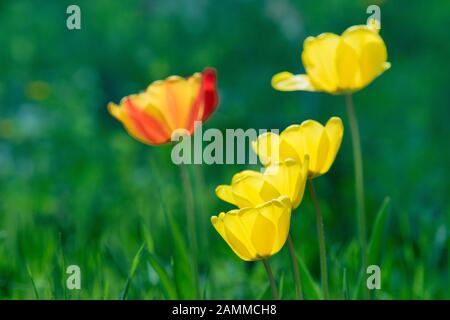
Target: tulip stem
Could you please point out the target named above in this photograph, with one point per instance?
(359, 179)
(298, 284)
(321, 236)
(273, 285)
(190, 215)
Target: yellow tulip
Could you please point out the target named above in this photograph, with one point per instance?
(320, 143)
(251, 188)
(256, 233)
(338, 64)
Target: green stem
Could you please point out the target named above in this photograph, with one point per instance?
(190, 215)
(359, 179)
(321, 236)
(273, 285)
(298, 284)
(201, 187)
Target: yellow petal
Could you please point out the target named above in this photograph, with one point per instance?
(292, 143)
(283, 226)
(174, 98)
(371, 51)
(244, 174)
(247, 192)
(258, 232)
(278, 212)
(267, 148)
(347, 66)
(235, 244)
(237, 235)
(319, 60)
(335, 131)
(286, 81)
(288, 178)
(225, 193)
(317, 145)
(264, 235)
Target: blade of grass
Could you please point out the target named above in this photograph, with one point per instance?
(133, 268)
(374, 248)
(166, 282)
(182, 267)
(63, 265)
(265, 294)
(185, 279)
(311, 289)
(36, 293)
(281, 285)
(345, 285)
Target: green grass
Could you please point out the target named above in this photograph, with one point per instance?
(76, 189)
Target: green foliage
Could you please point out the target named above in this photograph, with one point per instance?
(76, 189)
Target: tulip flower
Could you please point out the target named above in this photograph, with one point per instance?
(167, 105)
(256, 233)
(251, 188)
(320, 143)
(342, 65)
(338, 64)
(317, 142)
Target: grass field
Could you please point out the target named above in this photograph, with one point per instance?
(75, 189)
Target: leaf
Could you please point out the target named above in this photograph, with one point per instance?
(166, 282)
(265, 294)
(345, 285)
(311, 289)
(36, 293)
(182, 266)
(281, 286)
(133, 268)
(374, 248)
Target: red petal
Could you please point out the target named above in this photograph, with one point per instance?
(209, 92)
(151, 130)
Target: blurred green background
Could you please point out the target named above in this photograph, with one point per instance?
(76, 189)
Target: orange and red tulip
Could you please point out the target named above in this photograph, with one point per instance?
(167, 105)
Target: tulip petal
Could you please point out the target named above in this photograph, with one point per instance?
(283, 225)
(139, 124)
(278, 213)
(264, 235)
(292, 143)
(286, 81)
(287, 177)
(209, 92)
(317, 144)
(247, 191)
(175, 97)
(347, 66)
(225, 193)
(335, 131)
(266, 147)
(371, 50)
(229, 227)
(117, 112)
(257, 232)
(319, 58)
(238, 234)
(244, 174)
